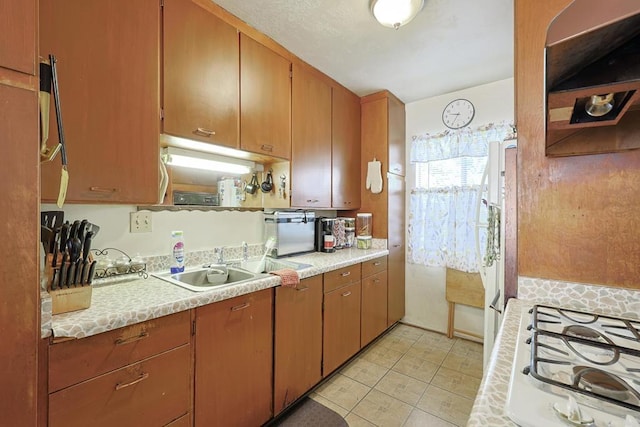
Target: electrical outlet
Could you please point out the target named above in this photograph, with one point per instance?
(140, 222)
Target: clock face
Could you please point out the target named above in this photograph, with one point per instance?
(458, 114)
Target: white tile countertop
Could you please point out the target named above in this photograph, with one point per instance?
(488, 408)
(123, 303)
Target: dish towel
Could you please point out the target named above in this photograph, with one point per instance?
(289, 277)
(374, 177)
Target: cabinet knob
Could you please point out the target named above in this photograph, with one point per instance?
(346, 294)
(205, 132)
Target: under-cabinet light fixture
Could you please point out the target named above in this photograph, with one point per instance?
(395, 13)
(206, 161)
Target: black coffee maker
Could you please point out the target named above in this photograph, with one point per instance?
(325, 240)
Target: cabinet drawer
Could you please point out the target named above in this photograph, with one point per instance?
(71, 362)
(341, 277)
(153, 392)
(374, 266)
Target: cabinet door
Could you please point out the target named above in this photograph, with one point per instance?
(396, 242)
(298, 341)
(345, 156)
(396, 135)
(233, 368)
(201, 74)
(341, 329)
(18, 41)
(108, 71)
(311, 141)
(265, 100)
(374, 307)
(374, 144)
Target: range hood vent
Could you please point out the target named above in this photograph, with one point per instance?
(593, 76)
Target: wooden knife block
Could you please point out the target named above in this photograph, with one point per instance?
(68, 299)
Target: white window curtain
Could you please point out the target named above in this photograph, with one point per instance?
(442, 217)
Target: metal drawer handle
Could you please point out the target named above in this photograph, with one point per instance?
(142, 377)
(346, 294)
(345, 274)
(377, 263)
(306, 288)
(122, 341)
(205, 132)
(376, 281)
(240, 307)
(266, 147)
(103, 190)
(312, 201)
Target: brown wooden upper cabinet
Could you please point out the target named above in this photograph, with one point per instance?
(108, 57)
(345, 149)
(311, 144)
(18, 42)
(265, 100)
(383, 126)
(201, 75)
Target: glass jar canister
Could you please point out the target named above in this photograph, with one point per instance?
(364, 224)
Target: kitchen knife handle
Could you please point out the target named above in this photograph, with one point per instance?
(86, 246)
(123, 341)
(64, 235)
(142, 377)
(71, 279)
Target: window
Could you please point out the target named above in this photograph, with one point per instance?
(456, 172)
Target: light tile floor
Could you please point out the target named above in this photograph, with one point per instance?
(408, 378)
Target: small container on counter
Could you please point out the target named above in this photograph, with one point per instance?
(364, 242)
(364, 224)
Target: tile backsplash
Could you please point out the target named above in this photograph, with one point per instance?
(580, 296)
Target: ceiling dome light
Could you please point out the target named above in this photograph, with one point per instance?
(395, 13)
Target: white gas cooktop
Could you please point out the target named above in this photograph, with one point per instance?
(594, 359)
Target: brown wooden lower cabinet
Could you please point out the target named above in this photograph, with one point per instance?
(183, 421)
(374, 307)
(341, 328)
(234, 361)
(152, 392)
(298, 341)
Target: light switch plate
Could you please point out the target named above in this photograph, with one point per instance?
(140, 222)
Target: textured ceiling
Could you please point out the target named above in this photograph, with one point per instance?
(451, 45)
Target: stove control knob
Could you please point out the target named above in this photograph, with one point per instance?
(526, 370)
(528, 340)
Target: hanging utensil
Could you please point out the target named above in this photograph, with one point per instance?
(267, 185)
(46, 153)
(64, 174)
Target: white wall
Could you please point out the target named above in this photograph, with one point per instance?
(202, 230)
(425, 287)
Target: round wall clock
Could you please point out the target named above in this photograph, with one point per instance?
(458, 113)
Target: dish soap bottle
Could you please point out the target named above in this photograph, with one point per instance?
(177, 252)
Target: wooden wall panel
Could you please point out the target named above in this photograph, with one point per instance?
(577, 216)
(20, 302)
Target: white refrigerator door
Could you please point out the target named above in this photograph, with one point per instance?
(492, 275)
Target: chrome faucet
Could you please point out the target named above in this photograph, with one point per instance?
(245, 251)
(220, 254)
